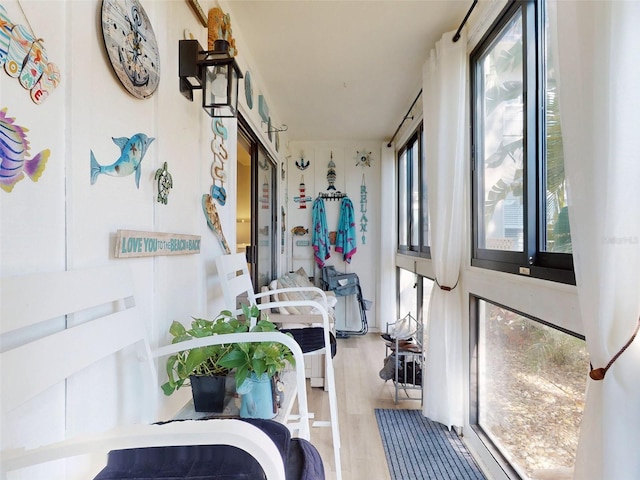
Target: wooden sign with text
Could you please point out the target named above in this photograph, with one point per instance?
(130, 243)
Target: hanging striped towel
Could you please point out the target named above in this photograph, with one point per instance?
(346, 239)
(320, 236)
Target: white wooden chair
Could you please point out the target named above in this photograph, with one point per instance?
(237, 286)
(51, 333)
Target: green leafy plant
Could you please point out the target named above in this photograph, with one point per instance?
(257, 357)
(201, 360)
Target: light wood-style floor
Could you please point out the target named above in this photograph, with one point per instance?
(360, 390)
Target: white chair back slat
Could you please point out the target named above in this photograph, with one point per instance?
(110, 324)
(59, 293)
(192, 432)
(54, 358)
(235, 279)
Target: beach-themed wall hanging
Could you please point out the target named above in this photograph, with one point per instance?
(303, 198)
(14, 150)
(331, 173)
(302, 164)
(132, 151)
(219, 28)
(213, 221)
(219, 177)
(220, 156)
(363, 159)
(263, 108)
(165, 183)
(131, 243)
(363, 210)
(299, 230)
(25, 58)
(283, 228)
(131, 45)
(248, 89)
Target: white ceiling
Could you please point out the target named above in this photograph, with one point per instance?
(342, 69)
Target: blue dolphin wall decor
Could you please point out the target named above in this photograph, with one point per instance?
(132, 151)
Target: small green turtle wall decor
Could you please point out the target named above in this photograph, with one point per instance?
(165, 183)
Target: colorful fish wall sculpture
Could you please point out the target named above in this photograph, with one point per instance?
(132, 151)
(14, 148)
(25, 58)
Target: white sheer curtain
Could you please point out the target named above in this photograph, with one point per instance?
(598, 51)
(444, 104)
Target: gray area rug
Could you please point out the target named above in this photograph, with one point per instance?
(418, 448)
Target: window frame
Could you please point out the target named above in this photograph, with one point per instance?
(474, 374)
(414, 222)
(533, 261)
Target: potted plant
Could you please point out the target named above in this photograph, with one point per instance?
(255, 366)
(200, 365)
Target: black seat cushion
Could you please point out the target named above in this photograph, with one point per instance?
(311, 339)
(214, 462)
(304, 461)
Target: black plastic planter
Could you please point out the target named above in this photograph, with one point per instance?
(208, 393)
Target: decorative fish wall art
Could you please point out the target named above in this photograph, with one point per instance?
(14, 148)
(213, 221)
(132, 151)
(25, 58)
(331, 174)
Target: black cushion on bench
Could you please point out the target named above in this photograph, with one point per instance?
(311, 339)
(214, 462)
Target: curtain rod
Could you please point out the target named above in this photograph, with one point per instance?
(456, 37)
(405, 117)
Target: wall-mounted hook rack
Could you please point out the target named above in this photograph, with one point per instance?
(332, 196)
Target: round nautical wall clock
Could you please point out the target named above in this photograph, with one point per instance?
(131, 45)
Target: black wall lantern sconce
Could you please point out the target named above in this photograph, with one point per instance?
(215, 72)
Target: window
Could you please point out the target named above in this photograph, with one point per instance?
(413, 217)
(520, 220)
(414, 294)
(529, 392)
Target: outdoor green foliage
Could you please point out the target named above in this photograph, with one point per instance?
(501, 90)
(553, 348)
(545, 347)
(259, 357)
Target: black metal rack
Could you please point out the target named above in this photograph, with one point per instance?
(407, 356)
(345, 284)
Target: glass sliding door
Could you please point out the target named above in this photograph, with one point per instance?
(243, 189)
(256, 204)
(265, 220)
